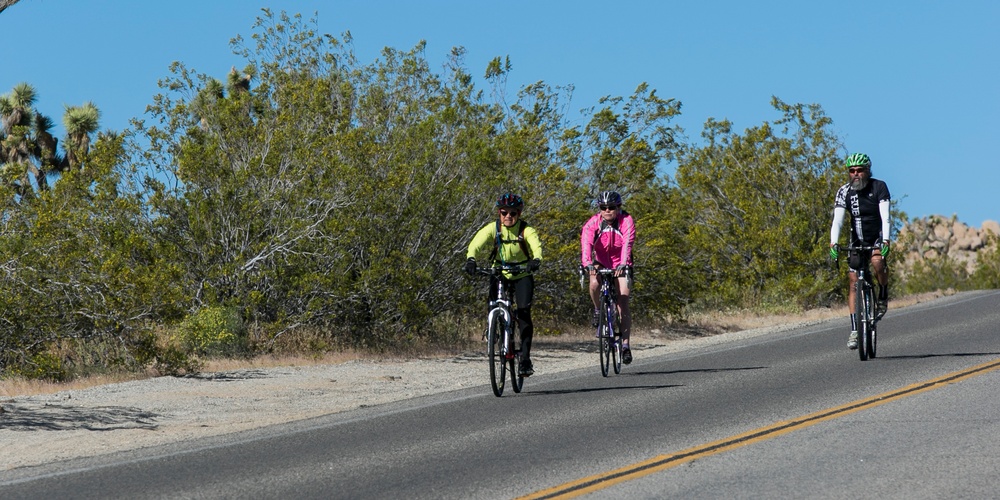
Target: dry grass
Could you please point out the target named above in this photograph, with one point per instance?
(697, 325)
(224, 365)
(19, 386)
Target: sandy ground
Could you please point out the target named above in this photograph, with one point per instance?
(44, 428)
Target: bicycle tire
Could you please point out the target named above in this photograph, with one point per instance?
(872, 322)
(611, 310)
(516, 380)
(861, 313)
(616, 355)
(498, 364)
(604, 345)
(872, 341)
(872, 331)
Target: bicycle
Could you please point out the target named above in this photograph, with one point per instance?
(501, 339)
(864, 304)
(609, 341)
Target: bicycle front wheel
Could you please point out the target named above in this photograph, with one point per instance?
(498, 364)
(872, 330)
(863, 314)
(614, 331)
(605, 343)
(604, 347)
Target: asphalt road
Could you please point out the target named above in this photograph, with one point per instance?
(785, 415)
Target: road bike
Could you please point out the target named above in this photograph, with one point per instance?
(609, 341)
(865, 308)
(502, 332)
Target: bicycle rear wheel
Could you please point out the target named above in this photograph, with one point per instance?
(516, 380)
(616, 354)
(498, 365)
(862, 313)
(872, 340)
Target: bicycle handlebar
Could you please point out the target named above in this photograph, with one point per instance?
(862, 247)
(855, 248)
(601, 270)
(496, 270)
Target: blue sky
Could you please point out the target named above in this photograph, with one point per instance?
(914, 84)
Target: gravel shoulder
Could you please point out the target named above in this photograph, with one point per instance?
(43, 429)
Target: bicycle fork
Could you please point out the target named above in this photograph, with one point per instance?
(611, 311)
(870, 298)
(497, 313)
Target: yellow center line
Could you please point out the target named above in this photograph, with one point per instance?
(598, 482)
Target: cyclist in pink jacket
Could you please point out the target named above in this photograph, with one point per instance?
(606, 242)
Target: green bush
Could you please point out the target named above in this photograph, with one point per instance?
(43, 366)
(213, 331)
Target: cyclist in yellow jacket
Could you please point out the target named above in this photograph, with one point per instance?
(513, 242)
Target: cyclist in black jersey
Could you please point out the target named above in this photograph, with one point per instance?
(867, 201)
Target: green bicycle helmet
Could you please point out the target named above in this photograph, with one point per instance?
(859, 160)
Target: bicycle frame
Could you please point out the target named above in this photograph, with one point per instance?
(609, 296)
(500, 309)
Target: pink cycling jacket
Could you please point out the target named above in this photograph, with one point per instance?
(610, 245)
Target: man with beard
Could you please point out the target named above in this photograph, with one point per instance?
(867, 199)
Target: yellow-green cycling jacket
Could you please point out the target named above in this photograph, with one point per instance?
(509, 250)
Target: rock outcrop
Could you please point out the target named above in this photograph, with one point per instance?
(936, 236)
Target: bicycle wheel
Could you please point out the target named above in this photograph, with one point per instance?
(611, 311)
(516, 380)
(861, 311)
(872, 341)
(872, 330)
(604, 340)
(616, 354)
(604, 348)
(498, 364)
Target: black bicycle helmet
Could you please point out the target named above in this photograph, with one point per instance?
(510, 200)
(609, 198)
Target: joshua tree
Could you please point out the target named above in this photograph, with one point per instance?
(27, 148)
(6, 3)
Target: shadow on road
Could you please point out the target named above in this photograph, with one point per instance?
(581, 390)
(700, 370)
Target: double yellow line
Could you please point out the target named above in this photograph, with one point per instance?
(662, 462)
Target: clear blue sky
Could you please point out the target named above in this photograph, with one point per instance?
(914, 84)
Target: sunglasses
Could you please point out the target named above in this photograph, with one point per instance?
(512, 213)
(607, 207)
(856, 170)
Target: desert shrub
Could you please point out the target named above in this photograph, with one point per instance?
(213, 331)
(43, 366)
